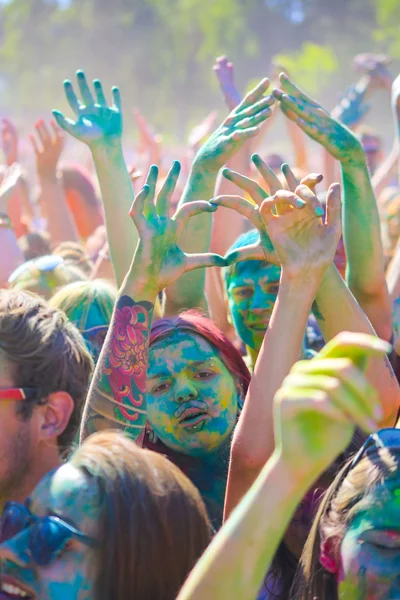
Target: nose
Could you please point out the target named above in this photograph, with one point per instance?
(262, 301)
(16, 550)
(185, 390)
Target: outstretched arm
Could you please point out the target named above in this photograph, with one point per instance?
(361, 224)
(241, 124)
(305, 246)
(235, 563)
(100, 127)
(117, 396)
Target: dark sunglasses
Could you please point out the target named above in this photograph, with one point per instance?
(47, 535)
(384, 438)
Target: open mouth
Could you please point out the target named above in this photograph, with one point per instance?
(194, 418)
(11, 589)
(259, 326)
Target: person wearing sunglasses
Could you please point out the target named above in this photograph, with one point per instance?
(353, 551)
(115, 522)
(44, 375)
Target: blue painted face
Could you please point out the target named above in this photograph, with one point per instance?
(69, 494)
(252, 290)
(193, 400)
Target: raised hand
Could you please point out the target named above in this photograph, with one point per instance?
(9, 137)
(266, 249)
(241, 124)
(375, 66)
(158, 260)
(48, 148)
(224, 71)
(317, 123)
(321, 402)
(96, 122)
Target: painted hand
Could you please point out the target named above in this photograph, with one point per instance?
(321, 402)
(96, 122)
(241, 124)
(9, 136)
(376, 67)
(275, 233)
(224, 71)
(49, 150)
(158, 260)
(317, 123)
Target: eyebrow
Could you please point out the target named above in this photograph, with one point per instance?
(195, 363)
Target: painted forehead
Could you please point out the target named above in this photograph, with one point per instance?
(381, 506)
(255, 269)
(67, 492)
(178, 350)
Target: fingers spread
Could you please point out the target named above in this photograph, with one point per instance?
(164, 196)
(304, 192)
(187, 211)
(242, 206)
(84, 89)
(268, 175)
(255, 191)
(334, 206)
(198, 261)
(254, 95)
(98, 90)
(71, 96)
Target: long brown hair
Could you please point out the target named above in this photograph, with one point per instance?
(153, 525)
(313, 581)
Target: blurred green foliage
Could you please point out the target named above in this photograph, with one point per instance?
(161, 52)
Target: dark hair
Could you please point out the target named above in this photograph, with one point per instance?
(34, 245)
(194, 322)
(153, 523)
(46, 352)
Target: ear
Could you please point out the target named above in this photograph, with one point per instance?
(55, 415)
(327, 556)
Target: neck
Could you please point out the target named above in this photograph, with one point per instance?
(253, 354)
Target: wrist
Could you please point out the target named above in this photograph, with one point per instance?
(294, 480)
(354, 156)
(139, 287)
(305, 280)
(107, 148)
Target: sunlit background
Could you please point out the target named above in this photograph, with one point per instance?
(161, 52)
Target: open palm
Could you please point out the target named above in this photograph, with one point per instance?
(95, 120)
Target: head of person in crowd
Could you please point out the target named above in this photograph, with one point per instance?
(372, 145)
(116, 521)
(34, 245)
(45, 275)
(82, 200)
(45, 371)
(353, 550)
(89, 306)
(74, 254)
(197, 381)
(285, 564)
(251, 288)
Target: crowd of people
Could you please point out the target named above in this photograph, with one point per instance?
(199, 390)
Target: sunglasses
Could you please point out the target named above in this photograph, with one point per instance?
(24, 393)
(43, 264)
(384, 438)
(47, 535)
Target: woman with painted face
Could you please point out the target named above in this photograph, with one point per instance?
(92, 528)
(354, 549)
(176, 388)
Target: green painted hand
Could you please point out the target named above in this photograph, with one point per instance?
(321, 402)
(158, 260)
(317, 123)
(96, 122)
(240, 125)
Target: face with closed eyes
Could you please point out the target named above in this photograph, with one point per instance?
(193, 399)
(370, 550)
(252, 290)
(68, 494)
